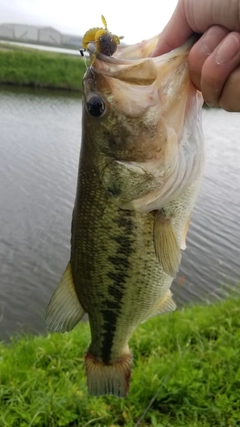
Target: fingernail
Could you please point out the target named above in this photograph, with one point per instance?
(208, 41)
(228, 49)
(210, 105)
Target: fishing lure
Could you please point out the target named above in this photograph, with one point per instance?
(105, 41)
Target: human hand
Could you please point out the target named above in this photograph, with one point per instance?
(214, 60)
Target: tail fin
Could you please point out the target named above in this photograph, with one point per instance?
(108, 379)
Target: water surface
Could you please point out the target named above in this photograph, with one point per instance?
(40, 135)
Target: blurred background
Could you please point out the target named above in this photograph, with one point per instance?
(135, 23)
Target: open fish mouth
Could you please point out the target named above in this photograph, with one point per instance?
(132, 69)
(138, 51)
(155, 103)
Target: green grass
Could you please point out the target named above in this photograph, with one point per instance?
(35, 68)
(188, 361)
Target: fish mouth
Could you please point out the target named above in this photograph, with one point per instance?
(152, 107)
(133, 82)
(139, 70)
(126, 54)
(132, 69)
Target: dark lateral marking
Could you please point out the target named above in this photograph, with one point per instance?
(111, 305)
(119, 270)
(118, 277)
(123, 242)
(125, 222)
(114, 190)
(119, 261)
(109, 325)
(116, 293)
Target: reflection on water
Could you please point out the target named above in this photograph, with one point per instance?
(40, 134)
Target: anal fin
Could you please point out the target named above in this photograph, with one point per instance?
(166, 246)
(64, 309)
(166, 304)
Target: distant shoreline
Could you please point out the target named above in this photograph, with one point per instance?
(26, 66)
(71, 50)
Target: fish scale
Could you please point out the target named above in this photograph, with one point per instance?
(119, 249)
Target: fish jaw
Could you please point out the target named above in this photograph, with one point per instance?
(148, 145)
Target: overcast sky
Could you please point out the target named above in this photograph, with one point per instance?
(134, 20)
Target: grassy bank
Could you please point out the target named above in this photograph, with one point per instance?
(188, 360)
(35, 68)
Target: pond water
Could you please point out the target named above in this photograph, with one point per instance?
(40, 136)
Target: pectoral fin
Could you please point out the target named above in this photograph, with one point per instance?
(183, 244)
(166, 246)
(64, 310)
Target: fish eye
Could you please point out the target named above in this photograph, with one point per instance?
(96, 106)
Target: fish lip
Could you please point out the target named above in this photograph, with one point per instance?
(124, 61)
(110, 59)
(92, 50)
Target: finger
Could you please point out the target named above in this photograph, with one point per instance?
(230, 96)
(190, 17)
(176, 32)
(218, 66)
(202, 50)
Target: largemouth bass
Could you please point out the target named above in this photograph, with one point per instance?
(141, 163)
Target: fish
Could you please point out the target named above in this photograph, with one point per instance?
(140, 169)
